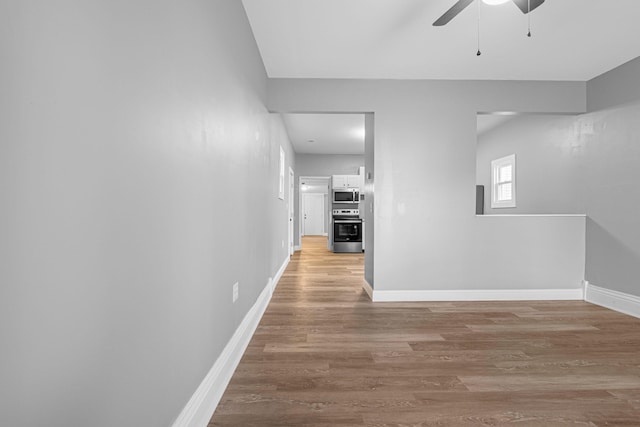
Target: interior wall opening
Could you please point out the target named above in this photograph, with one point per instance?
(332, 186)
(530, 164)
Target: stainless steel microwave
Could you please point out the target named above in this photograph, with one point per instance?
(346, 196)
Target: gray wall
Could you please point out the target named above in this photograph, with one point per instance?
(328, 164)
(615, 87)
(613, 236)
(128, 129)
(612, 174)
(596, 158)
(322, 165)
(278, 210)
(425, 155)
(549, 163)
(369, 199)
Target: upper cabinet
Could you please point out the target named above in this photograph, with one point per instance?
(345, 181)
(353, 181)
(339, 181)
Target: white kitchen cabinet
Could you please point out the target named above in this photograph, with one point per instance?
(339, 181)
(345, 181)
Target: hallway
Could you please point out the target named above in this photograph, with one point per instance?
(325, 355)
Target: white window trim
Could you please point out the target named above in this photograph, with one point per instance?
(495, 165)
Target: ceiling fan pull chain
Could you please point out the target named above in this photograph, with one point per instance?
(478, 7)
(529, 17)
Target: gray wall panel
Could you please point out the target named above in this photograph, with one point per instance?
(138, 182)
(613, 199)
(615, 87)
(594, 161)
(425, 155)
(369, 201)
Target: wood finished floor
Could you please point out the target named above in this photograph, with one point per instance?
(325, 355)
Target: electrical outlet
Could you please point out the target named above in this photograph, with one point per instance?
(236, 291)
(282, 244)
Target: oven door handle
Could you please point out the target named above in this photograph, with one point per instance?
(347, 221)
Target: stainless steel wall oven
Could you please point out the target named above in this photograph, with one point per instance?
(347, 231)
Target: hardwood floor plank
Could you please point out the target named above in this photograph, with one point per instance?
(325, 355)
(630, 396)
(539, 327)
(373, 337)
(319, 347)
(550, 382)
(448, 357)
(508, 409)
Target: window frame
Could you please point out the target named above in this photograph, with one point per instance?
(496, 165)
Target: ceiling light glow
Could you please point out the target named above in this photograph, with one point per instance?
(494, 2)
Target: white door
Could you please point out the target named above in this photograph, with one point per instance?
(291, 205)
(313, 214)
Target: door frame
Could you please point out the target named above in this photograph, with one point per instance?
(291, 212)
(300, 207)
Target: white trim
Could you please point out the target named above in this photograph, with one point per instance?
(368, 289)
(279, 274)
(291, 212)
(496, 165)
(614, 300)
(281, 174)
(200, 408)
(300, 212)
(478, 295)
(533, 215)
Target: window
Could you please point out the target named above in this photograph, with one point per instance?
(503, 182)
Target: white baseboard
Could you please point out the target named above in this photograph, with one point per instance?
(614, 300)
(279, 273)
(297, 248)
(478, 295)
(368, 289)
(204, 401)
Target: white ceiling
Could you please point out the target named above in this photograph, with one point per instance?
(572, 39)
(326, 133)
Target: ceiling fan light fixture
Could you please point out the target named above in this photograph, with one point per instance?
(494, 2)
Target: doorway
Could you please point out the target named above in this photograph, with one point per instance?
(313, 214)
(335, 143)
(314, 218)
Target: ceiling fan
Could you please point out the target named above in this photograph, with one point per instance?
(525, 6)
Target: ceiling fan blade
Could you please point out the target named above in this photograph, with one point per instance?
(453, 12)
(523, 5)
